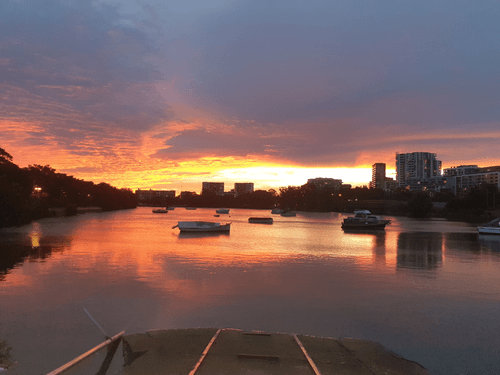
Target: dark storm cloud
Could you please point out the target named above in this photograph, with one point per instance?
(272, 62)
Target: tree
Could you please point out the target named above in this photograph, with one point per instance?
(420, 204)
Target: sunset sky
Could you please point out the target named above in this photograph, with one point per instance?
(165, 95)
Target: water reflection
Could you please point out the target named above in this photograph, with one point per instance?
(202, 234)
(490, 242)
(420, 250)
(17, 249)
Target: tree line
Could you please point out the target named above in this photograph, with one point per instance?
(33, 192)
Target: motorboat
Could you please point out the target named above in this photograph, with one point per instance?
(202, 226)
(288, 214)
(493, 227)
(260, 220)
(160, 211)
(222, 211)
(364, 219)
(276, 211)
(191, 208)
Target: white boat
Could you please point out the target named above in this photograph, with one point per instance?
(493, 227)
(160, 211)
(364, 219)
(222, 211)
(202, 226)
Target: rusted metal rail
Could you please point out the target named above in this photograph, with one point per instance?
(204, 354)
(309, 359)
(112, 344)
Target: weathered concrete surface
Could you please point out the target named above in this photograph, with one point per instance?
(238, 352)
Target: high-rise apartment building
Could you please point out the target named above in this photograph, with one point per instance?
(214, 187)
(243, 188)
(378, 176)
(416, 165)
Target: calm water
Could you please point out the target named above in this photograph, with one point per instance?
(428, 290)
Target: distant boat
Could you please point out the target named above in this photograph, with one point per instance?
(160, 211)
(288, 214)
(222, 211)
(190, 208)
(277, 211)
(493, 227)
(202, 226)
(364, 219)
(261, 220)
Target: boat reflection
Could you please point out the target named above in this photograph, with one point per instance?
(202, 234)
(420, 250)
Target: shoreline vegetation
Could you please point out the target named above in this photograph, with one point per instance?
(36, 192)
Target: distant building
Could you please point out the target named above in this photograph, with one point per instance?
(243, 188)
(464, 182)
(460, 170)
(416, 166)
(323, 182)
(151, 195)
(186, 194)
(214, 187)
(378, 176)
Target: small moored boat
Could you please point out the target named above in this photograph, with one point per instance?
(260, 220)
(160, 211)
(222, 211)
(202, 226)
(364, 219)
(276, 211)
(288, 214)
(493, 227)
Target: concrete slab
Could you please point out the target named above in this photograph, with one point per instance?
(238, 352)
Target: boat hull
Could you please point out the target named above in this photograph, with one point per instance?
(202, 226)
(261, 220)
(362, 226)
(488, 230)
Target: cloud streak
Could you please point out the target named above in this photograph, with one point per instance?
(143, 93)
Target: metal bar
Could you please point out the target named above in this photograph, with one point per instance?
(204, 354)
(77, 360)
(97, 324)
(309, 359)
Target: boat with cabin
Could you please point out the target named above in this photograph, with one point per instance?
(160, 211)
(222, 211)
(288, 214)
(364, 219)
(493, 227)
(202, 226)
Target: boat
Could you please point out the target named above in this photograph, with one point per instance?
(288, 214)
(191, 208)
(222, 211)
(364, 219)
(202, 226)
(196, 351)
(493, 227)
(276, 211)
(160, 211)
(260, 220)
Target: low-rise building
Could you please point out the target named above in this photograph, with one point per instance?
(323, 182)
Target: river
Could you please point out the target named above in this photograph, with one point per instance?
(427, 289)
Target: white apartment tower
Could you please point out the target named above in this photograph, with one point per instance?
(416, 165)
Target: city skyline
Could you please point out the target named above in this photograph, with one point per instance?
(145, 95)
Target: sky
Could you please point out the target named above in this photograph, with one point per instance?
(165, 95)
